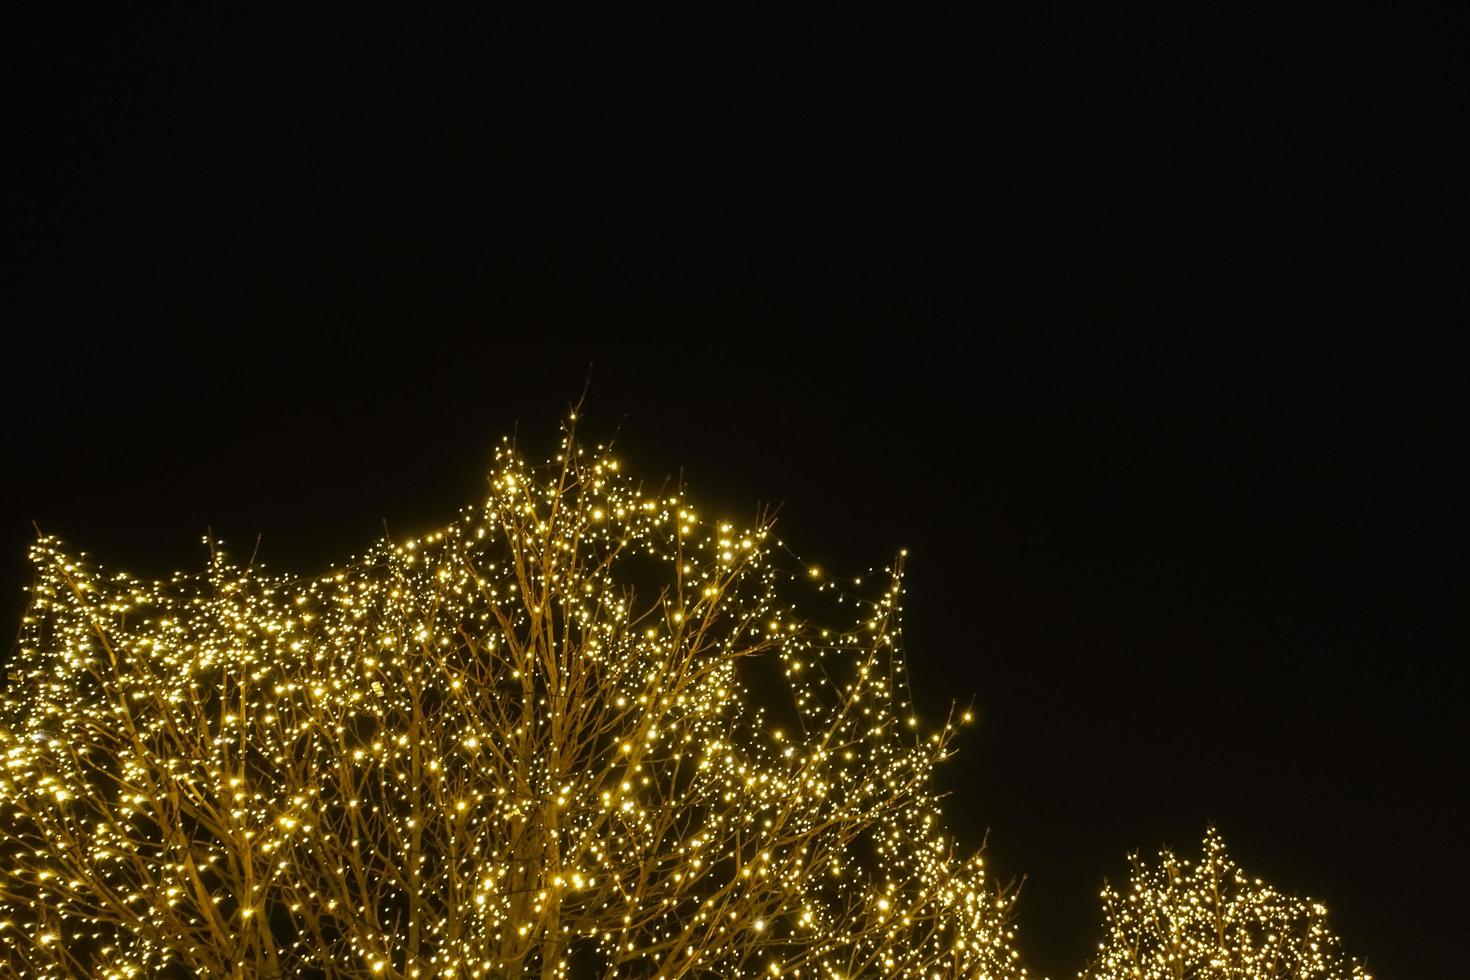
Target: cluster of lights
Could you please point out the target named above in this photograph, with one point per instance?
(1207, 920)
(582, 731)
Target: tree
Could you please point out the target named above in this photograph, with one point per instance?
(1209, 921)
(581, 731)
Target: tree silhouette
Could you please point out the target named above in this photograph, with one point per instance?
(584, 730)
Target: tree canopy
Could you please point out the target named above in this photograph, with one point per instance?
(583, 730)
(1208, 920)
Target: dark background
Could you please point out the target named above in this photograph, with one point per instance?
(1143, 332)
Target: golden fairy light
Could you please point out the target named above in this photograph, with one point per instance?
(1208, 920)
(582, 731)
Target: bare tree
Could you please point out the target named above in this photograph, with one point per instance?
(1180, 920)
(582, 731)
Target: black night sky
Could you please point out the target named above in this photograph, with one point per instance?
(1143, 332)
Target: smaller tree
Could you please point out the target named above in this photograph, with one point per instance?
(1209, 921)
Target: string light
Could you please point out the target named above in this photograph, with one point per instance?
(581, 731)
(1209, 920)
